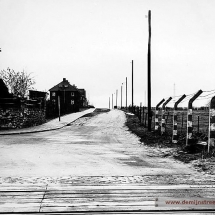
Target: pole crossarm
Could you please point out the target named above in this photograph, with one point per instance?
(163, 122)
(190, 116)
(175, 120)
(156, 114)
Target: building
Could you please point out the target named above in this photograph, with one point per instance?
(69, 95)
(83, 98)
(33, 94)
(4, 93)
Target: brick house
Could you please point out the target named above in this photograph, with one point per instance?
(70, 97)
(83, 98)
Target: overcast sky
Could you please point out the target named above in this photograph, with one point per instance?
(92, 43)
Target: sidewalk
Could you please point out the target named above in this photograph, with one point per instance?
(48, 126)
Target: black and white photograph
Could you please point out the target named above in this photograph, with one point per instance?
(107, 107)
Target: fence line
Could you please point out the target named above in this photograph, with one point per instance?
(200, 120)
(194, 124)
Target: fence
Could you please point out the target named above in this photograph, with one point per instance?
(202, 120)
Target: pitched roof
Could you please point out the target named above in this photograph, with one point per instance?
(4, 93)
(64, 86)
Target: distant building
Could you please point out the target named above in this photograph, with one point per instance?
(38, 96)
(83, 99)
(33, 94)
(70, 97)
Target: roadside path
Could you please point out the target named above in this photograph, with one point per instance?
(50, 125)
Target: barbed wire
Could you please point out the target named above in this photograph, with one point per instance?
(178, 96)
(186, 99)
(203, 99)
(208, 91)
(208, 96)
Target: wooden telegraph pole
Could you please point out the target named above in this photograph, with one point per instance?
(149, 74)
(126, 93)
(59, 104)
(121, 95)
(132, 87)
(116, 98)
(112, 100)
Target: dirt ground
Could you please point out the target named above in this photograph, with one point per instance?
(97, 145)
(196, 155)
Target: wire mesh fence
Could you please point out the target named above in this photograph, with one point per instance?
(200, 119)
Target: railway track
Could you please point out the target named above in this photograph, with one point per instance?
(100, 198)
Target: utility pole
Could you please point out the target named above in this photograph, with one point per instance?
(109, 102)
(112, 100)
(64, 100)
(116, 98)
(59, 104)
(145, 98)
(126, 94)
(174, 93)
(121, 96)
(132, 86)
(149, 74)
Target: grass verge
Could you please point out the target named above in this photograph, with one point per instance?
(194, 154)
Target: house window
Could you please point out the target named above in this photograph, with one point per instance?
(53, 94)
(72, 102)
(72, 94)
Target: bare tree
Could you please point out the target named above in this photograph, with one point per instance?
(18, 83)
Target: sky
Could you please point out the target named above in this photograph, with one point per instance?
(92, 43)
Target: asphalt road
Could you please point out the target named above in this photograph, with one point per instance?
(99, 146)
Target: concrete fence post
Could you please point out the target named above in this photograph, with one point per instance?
(190, 117)
(163, 122)
(157, 114)
(211, 130)
(175, 120)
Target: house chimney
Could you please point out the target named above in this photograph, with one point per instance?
(64, 79)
